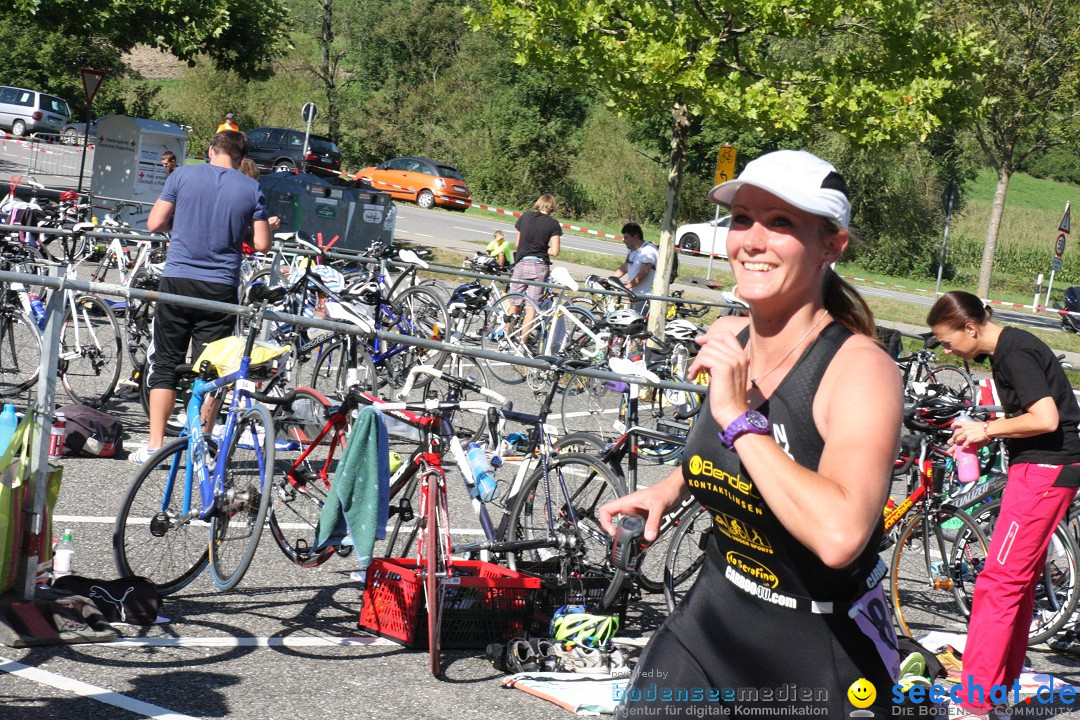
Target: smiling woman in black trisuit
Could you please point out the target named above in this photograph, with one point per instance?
(793, 460)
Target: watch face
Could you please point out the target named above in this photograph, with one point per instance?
(757, 420)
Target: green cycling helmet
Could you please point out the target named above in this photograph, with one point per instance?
(572, 624)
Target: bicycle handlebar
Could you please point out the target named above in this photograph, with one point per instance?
(439, 374)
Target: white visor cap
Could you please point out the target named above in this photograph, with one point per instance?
(798, 178)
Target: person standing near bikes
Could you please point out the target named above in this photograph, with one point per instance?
(209, 210)
(639, 267)
(792, 456)
(538, 240)
(1040, 428)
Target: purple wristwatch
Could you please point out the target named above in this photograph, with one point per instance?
(750, 421)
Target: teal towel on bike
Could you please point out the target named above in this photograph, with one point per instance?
(359, 499)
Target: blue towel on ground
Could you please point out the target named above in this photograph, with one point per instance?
(359, 499)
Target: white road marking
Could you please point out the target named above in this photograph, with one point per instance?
(93, 692)
(308, 641)
(482, 232)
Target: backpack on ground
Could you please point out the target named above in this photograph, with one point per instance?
(91, 432)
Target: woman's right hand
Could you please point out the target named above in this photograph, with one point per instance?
(651, 503)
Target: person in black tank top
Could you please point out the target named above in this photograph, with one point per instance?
(1042, 436)
(792, 455)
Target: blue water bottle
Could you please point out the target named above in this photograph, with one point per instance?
(483, 472)
(38, 311)
(8, 422)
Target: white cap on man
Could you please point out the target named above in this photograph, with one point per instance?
(798, 178)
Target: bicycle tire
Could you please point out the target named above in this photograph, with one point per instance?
(90, 351)
(237, 522)
(20, 352)
(467, 425)
(593, 406)
(151, 538)
(929, 591)
(435, 567)
(588, 483)
(495, 322)
(177, 421)
(403, 532)
(138, 322)
(1058, 589)
(686, 554)
(589, 444)
(330, 374)
(301, 486)
(956, 379)
(422, 314)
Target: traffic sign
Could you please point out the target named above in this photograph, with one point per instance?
(725, 164)
(1064, 226)
(309, 112)
(1056, 265)
(1059, 246)
(91, 81)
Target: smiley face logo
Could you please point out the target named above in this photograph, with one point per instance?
(862, 693)
(695, 465)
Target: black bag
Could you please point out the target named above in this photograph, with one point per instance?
(132, 599)
(91, 432)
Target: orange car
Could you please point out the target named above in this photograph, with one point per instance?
(424, 181)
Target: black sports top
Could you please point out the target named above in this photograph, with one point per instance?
(761, 556)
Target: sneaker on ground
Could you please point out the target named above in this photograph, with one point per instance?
(140, 456)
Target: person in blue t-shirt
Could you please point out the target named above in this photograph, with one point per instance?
(209, 210)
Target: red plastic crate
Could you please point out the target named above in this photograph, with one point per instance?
(482, 603)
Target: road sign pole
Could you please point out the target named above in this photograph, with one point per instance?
(949, 199)
(91, 80)
(85, 143)
(307, 113)
(1046, 302)
(716, 224)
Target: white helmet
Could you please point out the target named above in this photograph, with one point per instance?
(626, 321)
(679, 329)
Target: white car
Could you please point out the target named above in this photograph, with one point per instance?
(699, 237)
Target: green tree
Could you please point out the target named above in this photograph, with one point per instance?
(1032, 91)
(237, 35)
(879, 72)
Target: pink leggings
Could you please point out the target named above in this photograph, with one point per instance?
(997, 639)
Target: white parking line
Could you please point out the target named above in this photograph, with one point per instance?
(482, 232)
(93, 692)
(308, 641)
(100, 520)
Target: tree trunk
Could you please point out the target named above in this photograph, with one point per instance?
(987, 266)
(680, 132)
(328, 71)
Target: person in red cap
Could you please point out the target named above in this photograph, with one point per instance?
(229, 124)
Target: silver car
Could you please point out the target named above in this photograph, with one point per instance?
(25, 111)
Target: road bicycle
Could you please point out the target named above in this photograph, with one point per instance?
(557, 329)
(918, 371)
(161, 526)
(20, 337)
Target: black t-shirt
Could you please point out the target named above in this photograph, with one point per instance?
(1025, 371)
(536, 230)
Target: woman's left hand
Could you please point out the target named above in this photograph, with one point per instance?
(724, 359)
(968, 432)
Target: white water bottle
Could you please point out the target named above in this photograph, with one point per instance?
(967, 459)
(483, 472)
(64, 556)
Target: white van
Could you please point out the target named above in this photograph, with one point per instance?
(28, 111)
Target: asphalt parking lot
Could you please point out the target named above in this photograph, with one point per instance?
(282, 645)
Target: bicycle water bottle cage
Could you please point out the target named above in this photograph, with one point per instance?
(404, 509)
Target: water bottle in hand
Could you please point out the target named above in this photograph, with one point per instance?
(967, 459)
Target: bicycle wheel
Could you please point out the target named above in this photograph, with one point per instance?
(341, 364)
(957, 380)
(90, 346)
(139, 319)
(152, 536)
(560, 505)
(574, 342)
(594, 406)
(932, 580)
(20, 351)
(583, 442)
(503, 332)
(305, 469)
(686, 554)
(404, 526)
(435, 565)
(421, 313)
(467, 425)
(1057, 590)
(237, 522)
